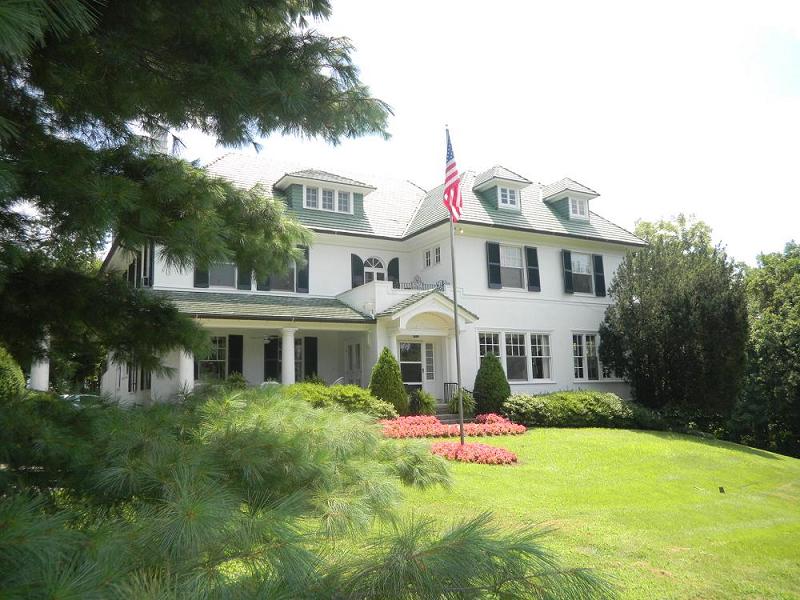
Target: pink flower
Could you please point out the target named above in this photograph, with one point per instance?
(429, 426)
(474, 453)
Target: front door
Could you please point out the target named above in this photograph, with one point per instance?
(418, 366)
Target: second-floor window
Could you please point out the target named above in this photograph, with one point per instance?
(431, 256)
(578, 208)
(344, 202)
(582, 273)
(374, 270)
(311, 197)
(511, 267)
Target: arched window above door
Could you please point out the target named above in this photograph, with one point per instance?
(374, 270)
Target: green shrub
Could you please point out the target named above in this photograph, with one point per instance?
(579, 408)
(236, 381)
(491, 386)
(421, 402)
(467, 399)
(386, 382)
(12, 381)
(351, 398)
(314, 379)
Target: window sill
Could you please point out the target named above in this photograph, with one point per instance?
(598, 381)
(533, 382)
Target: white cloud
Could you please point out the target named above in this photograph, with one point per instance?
(677, 107)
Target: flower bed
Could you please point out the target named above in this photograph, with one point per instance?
(426, 426)
(474, 453)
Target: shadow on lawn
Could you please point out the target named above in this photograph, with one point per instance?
(671, 435)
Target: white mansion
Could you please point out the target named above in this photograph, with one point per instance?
(534, 265)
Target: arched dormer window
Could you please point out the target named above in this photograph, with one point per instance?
(374, 269)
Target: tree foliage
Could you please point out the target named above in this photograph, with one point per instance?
(768, 414)
(677, 327)
(245, 494)
(79, 80)
(386, 382)
(491, 387)
(12, 381)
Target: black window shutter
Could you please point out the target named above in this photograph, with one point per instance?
(532, 262)
(302, 273)
(243, 278)
(566, 258)
(356, 270)
(599, 276)
(393, 272)
(310, 356)
(200, 277)
(152, 267)
(235, 354)
(493, 265)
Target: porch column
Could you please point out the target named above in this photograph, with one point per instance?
(40, 370)
(185, 371)
(287, 355)
(452, 376)
(393, 343)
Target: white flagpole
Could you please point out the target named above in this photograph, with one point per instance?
(455, 324)
(455, 318)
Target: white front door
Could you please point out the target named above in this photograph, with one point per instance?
(352, 357)
(419, 366)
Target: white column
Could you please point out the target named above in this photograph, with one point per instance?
(40, 375)
(451, 359)
(392, 335)
(287, 355)
(185, 371)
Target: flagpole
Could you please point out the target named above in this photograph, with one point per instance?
(455, 323)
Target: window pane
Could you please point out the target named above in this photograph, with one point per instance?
(592, 362)
(410, 351)
(578, 357)
(327, 199)
(582, 273)
(511, 277)
(437, 252)
(222, 275)
(516, 362)
(429, 372)
(540, 356)
(311, 197)
(503, 196)
(489, 343)
(411, 372)
(283, 282)
(510, 256)
(344, 202)
(582, 283)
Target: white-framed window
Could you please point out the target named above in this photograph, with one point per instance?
(430, 373)
(540, 356)
(582, 280)
(327, 199)
(586, 358)
(374, 270)
(578, 208)
(311, 197)
(488, 343)
(214, 365)
(508, 198)
(284, 282)
(222, 275)
(516, 357)
(437, 255)
(431, 256)
(512, 267)
(426, 259)
(343, 202)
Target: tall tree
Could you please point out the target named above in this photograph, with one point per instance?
(78, 79)
(768, 414)
(677, 327)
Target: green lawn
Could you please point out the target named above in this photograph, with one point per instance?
(645, 510)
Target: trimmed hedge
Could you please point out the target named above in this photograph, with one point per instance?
(579, 408)
(351, 398)
(12, 381)
(386, 382)
(491, 387)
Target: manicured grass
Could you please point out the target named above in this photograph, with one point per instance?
(645, 510)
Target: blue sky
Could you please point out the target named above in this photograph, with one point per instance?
(663, 108)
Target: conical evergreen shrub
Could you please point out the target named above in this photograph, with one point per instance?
(386, 382)
(12, 381)
(491, 386)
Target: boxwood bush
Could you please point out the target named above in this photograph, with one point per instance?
(352, 398)
(578, 408)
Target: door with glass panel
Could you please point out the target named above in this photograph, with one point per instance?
(418, 366)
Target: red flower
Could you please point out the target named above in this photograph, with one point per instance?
(429, 426)
(474, 453)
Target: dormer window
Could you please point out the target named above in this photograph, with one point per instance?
(508, 198)
(327, 199)
(578, 208)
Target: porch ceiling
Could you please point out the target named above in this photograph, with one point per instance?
(232, 305)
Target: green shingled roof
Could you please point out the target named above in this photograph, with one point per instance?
(398, 209)
(412, 300)
(268, 307)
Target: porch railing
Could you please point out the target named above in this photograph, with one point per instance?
(450, 390)
(421, 286)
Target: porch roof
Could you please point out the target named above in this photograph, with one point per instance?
(411, 300)
(270, 307)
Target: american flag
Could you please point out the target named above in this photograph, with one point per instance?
(452, 193)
